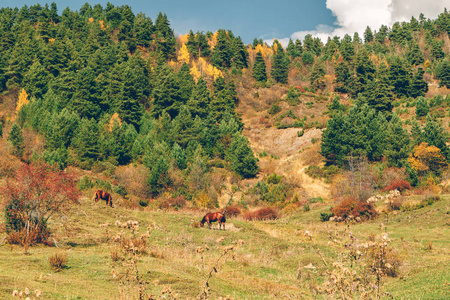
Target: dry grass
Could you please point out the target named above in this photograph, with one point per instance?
(58, 261)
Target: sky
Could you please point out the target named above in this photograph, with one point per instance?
(270, 19)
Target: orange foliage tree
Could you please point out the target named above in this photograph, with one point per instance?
(38, 192)
(425, 158)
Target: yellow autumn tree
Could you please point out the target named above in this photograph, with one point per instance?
(426, 158)
(183, 38)
(102, 25)
(114, 118)
(183, 54)
(195, 72)
(23, 100)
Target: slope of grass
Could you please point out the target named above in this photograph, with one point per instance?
(264, 263)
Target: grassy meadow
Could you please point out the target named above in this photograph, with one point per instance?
(170, 256)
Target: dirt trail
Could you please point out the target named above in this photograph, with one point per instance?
(287, 155)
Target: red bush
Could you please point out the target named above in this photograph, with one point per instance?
(399, 184)
(233, 211)
(176, 204)
(352, 207)
(266, 213)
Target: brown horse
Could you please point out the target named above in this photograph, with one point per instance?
(104, 196)
(214, 217)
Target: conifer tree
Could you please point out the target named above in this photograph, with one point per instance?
(368, 35)
(241, 158)
(16, 139)
(165, 37)
(259, 68)
(198, 104)
(280, 67)
(222, 53)
(443, 73)
(419, 86)
(398, 148)
(36, 80)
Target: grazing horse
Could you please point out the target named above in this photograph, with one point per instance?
(104, 196)
(214, 217)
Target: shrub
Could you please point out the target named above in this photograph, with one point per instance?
(274, 109)
(173, 203)
(58, 261)
(266, 213)
(143, 202)
(38, 192)
(352, 207)
(326, 216)
(233, 211)
(399, 184)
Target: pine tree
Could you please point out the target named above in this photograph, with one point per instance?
(379, 95)
(400, 77)
(198, 104)
(342, 78)
(167, 95)
(398, 148)
(419, 86)
(36, 80)
(443, 73)
(316, 77)
(222, 53)
(241, 158)
(368, 35)
(86, 143)
(16, 139)
(414, 55)
(165, 37)
(435, 135)
(259, 68)
(280, 67)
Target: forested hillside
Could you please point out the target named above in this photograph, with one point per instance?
(352, 129)
(100, 88)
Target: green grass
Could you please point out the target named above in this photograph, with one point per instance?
(264, 267)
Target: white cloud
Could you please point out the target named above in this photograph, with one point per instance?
(355, 15)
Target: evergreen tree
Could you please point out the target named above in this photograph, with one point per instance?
(36, 79)
(15, 138)
(316, 77)
(292, 50)
(191, 44)
(436, 49)
(379, 96)
(414, 55)
(241, 158)
(86, 101)
(259, 68)
(343, 78)
(240, 56)
(435, 135)
(222, 52)
(368, 35)
(422, 107)
(400, 77)
(419, 86)
(167, 95)
(347, 48)
(398, 149)
(86, 143)
(443, 73)
(280, 67)
(165, 37)
(179, 157)
(198, 104)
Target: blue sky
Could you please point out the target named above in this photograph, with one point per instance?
(269, 19)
